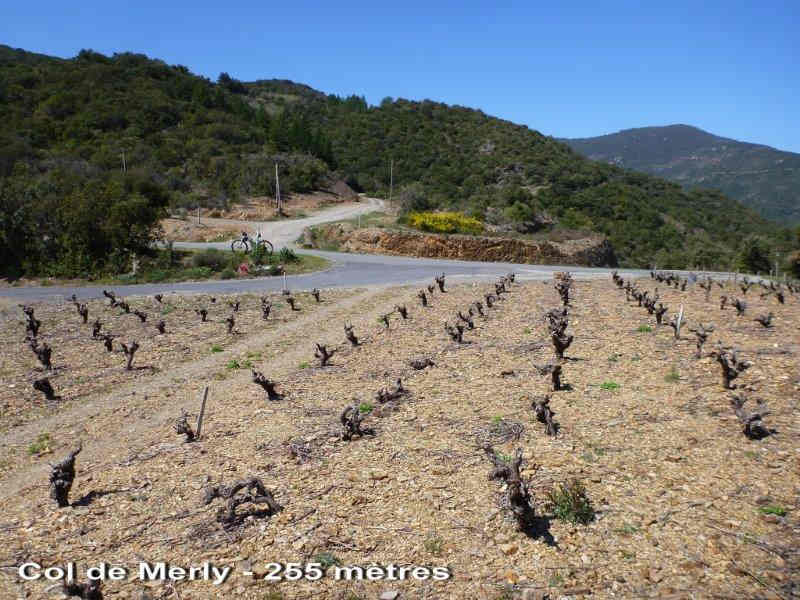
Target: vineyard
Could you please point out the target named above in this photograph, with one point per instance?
(538, 439)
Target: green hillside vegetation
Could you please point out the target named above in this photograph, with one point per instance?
(459, 159)
(68, 209)
(763, 178)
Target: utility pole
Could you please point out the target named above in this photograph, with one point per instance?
(277, 191)
(391, 180)
(124, 166)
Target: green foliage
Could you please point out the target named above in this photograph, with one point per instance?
(793, 261)
(365, 407)
(773, 509)
(216, 348)
(286, 255)
(326, 559)
(759, 176)
(66, 209)
(644, 329)
(41, 445)
(213, 259)
(754, 255)
(609, 385)
(569, 503)
(445, 222)
(233, 364)
(434, 546)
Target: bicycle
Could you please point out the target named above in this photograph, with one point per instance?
(245, 244)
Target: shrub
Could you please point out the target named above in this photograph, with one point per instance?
(216, 348)
(287, 255)
(445, 222)
(211, 259)
(644, 329)
(259, 255)
(227, 273)
(569, 503)
(609, 385)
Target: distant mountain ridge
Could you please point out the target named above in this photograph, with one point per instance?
(761, 177)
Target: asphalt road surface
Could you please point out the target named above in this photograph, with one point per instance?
(347, 270)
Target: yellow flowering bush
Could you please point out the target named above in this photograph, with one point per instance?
(445, 222)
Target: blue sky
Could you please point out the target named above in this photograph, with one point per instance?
(568, 69)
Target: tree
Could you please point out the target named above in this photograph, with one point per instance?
(413, 198)
(754, 255)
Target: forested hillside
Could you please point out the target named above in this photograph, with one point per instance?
(763, 178)
(94, 150)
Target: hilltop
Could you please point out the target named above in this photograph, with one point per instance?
(763, 178)
(71, 127)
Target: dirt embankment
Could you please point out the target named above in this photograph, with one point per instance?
(592, 252)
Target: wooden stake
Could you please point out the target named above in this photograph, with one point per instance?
(680, 322)
(200, 416)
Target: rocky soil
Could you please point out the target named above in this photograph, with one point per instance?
(685, 505)
(592, 252)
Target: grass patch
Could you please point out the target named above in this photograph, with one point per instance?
(609, 385)
(569, 503)
(41, 445)
(304, 365)
(216, 348)
(644, 329)
(166, 266)
(233, 364)
(365, 407)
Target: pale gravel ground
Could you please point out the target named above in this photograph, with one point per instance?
(664, 462)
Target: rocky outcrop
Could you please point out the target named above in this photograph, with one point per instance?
(593, 251)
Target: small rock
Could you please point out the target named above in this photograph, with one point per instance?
(508, 549)
(377, 475)
(389, 595)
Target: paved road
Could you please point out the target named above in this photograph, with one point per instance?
(347, 270)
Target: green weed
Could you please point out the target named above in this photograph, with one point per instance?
(41, 445)
(773, 509)
(569, 503)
